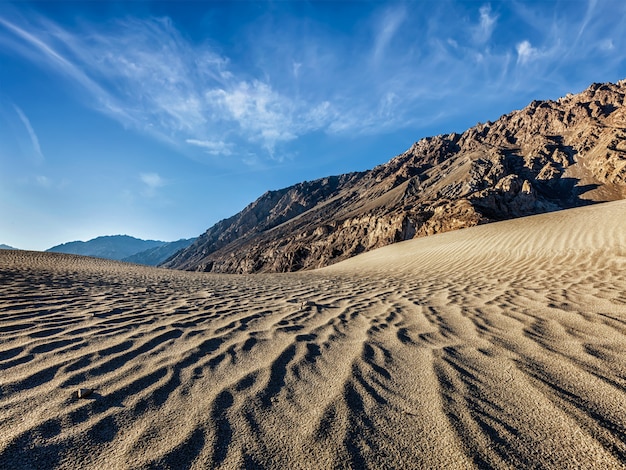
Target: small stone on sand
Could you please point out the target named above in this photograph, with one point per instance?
(83, 392)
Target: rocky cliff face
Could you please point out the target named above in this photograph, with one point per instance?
(550, 155)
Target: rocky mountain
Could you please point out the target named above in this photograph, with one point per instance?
(158, 254)
(115, 247)
(548, 156)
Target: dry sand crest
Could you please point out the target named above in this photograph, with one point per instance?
(497, 346)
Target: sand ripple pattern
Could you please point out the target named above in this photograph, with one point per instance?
(505, 353)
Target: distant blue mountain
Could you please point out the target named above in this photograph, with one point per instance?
(155, 256)
(115, 247)
(6, 247)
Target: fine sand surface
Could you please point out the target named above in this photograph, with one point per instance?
(500, 346)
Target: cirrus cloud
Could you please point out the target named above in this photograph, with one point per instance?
(152, 182)
(382, 76)
(31, 133)
(525, 52)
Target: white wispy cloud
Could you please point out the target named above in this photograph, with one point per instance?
(213, 147)
(152, 70)
(146, 75)
(266, 116)
(31, 133)
(606, 45)
(43, 48)
(43, 181)
(402, 67)
(391, 20)
(589, 14)
(296, 68)
(486, 25)
(263, 114)
(152, 182)
(525, 52)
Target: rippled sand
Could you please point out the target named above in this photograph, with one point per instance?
(500, 346)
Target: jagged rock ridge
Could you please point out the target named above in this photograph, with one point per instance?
(548, 156)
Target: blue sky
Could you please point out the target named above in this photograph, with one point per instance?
(159, 119)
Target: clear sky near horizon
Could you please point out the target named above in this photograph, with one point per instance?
(158, 119)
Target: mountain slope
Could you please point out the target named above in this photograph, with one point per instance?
(6, 247)
(115, 247)
(158, 254)
(548, 156)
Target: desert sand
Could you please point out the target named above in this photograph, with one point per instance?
(498, 346)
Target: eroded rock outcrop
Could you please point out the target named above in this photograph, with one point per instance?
(548, 156)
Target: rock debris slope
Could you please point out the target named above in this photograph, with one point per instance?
(548, 156)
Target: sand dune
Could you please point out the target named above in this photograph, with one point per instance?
(499, 346)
